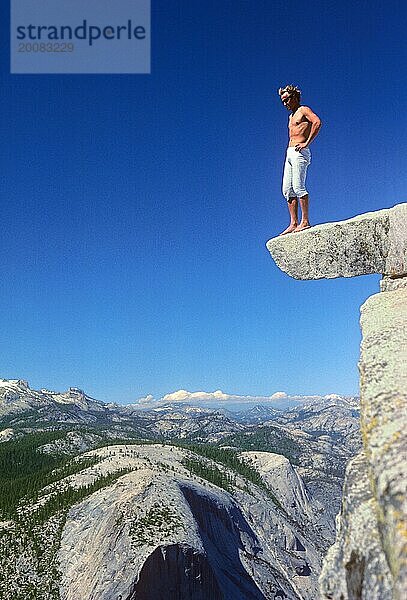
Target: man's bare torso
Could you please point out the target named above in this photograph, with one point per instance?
(298, 127)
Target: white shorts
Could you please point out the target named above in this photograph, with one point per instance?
(295, 172)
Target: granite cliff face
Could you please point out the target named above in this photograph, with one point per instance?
(369, 558)
(356, 566)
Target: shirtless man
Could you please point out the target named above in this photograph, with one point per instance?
(303, 127)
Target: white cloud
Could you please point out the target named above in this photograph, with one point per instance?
(184, 396)
(146, 400)
(216, 397)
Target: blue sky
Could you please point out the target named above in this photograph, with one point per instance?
(136, 207)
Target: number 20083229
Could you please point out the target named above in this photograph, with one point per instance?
(46, 47)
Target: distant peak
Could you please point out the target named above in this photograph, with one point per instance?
(21, 383)
(75, 390)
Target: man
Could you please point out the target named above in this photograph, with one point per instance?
(303, 127)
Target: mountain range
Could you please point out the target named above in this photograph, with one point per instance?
(170, 501)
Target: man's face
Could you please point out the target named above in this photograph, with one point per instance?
(287, 100)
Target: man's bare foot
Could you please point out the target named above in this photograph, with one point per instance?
(302, 226)
(292, 227)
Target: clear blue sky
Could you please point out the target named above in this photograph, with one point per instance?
(135, 208)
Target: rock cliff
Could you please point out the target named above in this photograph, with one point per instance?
(369, 558)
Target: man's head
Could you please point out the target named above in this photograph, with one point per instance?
(290, 96)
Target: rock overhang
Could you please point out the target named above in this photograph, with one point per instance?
(374, 242)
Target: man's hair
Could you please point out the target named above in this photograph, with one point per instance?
(292, 90)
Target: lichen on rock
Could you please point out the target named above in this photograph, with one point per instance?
(355, 566)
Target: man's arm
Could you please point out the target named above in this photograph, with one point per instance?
(315, 126)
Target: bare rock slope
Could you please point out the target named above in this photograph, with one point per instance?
(160, 532)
